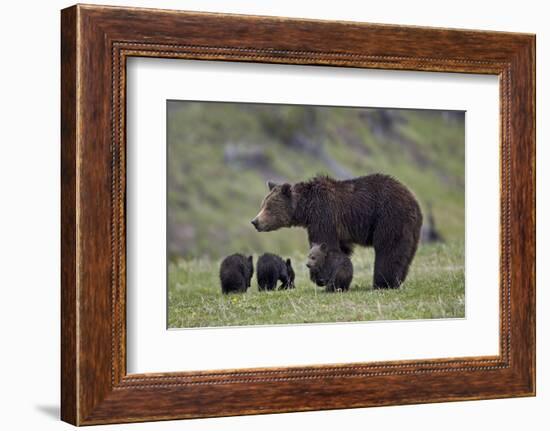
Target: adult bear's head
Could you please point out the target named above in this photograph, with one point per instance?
(277, 208)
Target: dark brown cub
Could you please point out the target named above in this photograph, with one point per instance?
(330, 268)
(236, 272)
(270, 269)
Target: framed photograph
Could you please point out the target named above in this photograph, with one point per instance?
(265, 215)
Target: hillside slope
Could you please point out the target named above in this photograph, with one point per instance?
(221, 154)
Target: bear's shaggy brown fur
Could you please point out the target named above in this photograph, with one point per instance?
(330, 268)
(271, 268)
(235, 273)
(374, 210)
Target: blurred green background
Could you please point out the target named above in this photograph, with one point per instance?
(221, 154)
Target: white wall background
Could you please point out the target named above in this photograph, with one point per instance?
(29, 215)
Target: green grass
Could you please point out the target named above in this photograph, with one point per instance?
(433, 289)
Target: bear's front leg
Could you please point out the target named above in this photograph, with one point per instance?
(284, 282)
(331, 285)
(321, 233)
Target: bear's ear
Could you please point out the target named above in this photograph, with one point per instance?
(288, 262)
(271, 185)
(286, 190)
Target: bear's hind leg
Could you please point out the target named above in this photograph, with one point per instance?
(391, 267)
(271, 282)
(394, 248)
(267, 283)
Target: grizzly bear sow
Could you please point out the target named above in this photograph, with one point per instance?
(235, 273)
(374, 210)
(330, 268)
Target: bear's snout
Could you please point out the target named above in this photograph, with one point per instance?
(254, 222)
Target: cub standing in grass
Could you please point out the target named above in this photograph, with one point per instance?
(330, 268)
(374, 210)
(235, 273)
(271, 268)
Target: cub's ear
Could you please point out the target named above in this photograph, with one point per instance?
(286, 190)
(271, 185)
(288, 262)
(323, 247)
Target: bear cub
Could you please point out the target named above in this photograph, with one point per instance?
(330, 268)
(235, 273)
(271, 268)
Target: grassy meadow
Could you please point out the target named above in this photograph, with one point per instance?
(434, 289)
(219, 156)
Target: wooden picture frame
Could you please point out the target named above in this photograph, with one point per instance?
(95, 43)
